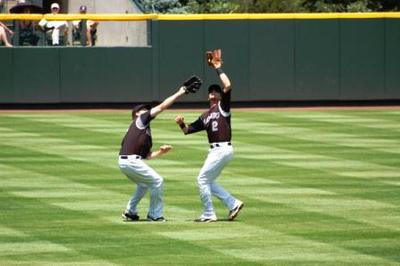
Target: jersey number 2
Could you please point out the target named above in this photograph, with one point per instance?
(214, 126)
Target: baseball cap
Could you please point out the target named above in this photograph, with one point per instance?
(139, 107)
(55, 5)
(215, 87)
(82, 8)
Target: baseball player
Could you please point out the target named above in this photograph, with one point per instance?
(136, 146)
(217, 122)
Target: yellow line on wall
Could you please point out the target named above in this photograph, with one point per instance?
(69, 17)
(279, 16)
(140, 17)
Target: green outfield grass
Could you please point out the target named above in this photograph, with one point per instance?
(320, 188)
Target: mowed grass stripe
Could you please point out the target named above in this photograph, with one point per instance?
(75, 196)
(92, 240)
(241, 126)
(59, 191)
(51, 195)
(39, 237)
(342, 139)
(360, 119)
(327, 121)
(338, 165)
(29, 248)
(281, 247)
(302, 159)
(102, 213)
(307, 145)
(62, 191)
(282, 255)
(77, 121)
(63, 148)
(325, 163)
(334, 165)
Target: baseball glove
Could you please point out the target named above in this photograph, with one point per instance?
(193, 84)
(214, 58)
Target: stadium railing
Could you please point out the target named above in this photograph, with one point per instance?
(165, 17)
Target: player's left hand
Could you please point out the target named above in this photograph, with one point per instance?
(165, 148)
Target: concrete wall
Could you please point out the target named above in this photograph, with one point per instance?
(115, 33)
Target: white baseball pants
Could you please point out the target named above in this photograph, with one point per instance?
(145, 178)
(216, 160)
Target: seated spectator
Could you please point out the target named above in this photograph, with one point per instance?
(56, 28)
(91, 28)
(27, 34)
(3, 34)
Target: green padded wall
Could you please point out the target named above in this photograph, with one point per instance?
(362, 59)
(316, 60)
(392, 59)
(106, 74)
(36, 75)
(232, 37)
(180, 52)
(271, 60)
(6, 76)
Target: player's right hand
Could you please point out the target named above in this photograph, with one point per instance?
(179, 119)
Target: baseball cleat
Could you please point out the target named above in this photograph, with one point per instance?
(159, 219)
(235, 211)
(203, 219)
(129, 217)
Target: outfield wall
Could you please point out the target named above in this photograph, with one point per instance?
(286, 59)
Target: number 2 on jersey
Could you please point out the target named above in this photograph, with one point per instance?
(214, 126)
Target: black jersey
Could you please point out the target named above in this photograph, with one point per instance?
(138, 139)
(216, 121)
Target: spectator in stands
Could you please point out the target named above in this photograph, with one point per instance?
(3, 34)
(27, 34)
(91, 28)
(58, 29)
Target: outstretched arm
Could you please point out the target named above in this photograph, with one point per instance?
(215, 61)
(167, 102)
(192, 85)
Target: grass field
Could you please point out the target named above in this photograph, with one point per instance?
(320, 188)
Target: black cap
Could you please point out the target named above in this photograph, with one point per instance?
(139, 107)
(82, 8)
(215, 87)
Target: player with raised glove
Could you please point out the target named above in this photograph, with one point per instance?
(136, 147)
(217, 122)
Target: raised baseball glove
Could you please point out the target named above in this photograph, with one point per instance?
(193, 84)
(214, 58)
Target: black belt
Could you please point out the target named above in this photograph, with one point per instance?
(134, 156)
(212, 146)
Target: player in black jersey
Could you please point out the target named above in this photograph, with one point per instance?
(136, 146)
(217, 122)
